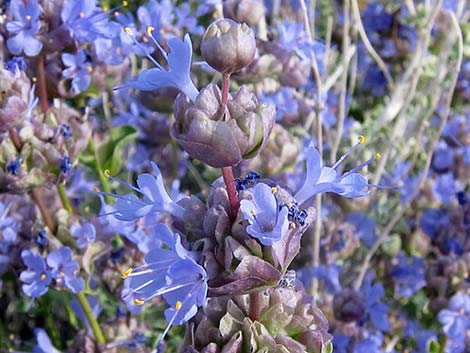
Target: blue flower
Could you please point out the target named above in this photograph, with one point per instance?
(446, 187)
(85, 234)
(44, 342)
(37, 277)
(365, 227)
(178, 74)
(283, 99)
(14, 167)
(65, 270)
(65, 164)
(41, 238)
(433, 221)
(456, 319)
(156, 199)
(267, 223)
(326, 179)
(85, 21)
(78, 69)
(409, 276)
(24, 28)
(16, 64)
(370, 345)
(172, 273)
(377, 311)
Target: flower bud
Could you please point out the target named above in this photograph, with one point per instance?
(248, 11)
(348, 306)
(228, 46)
(219, 135)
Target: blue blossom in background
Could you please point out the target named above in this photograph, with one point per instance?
(326, 179)
(409, 275)
(267, 223)
(85, 21)
(446, 187)
(78, 69)
(37, 277)
(24, 27)
(64, 270)
(370, 345)
(14, 167)
(41, 238)
(432, 221)
(85, 234)
(156, 199)
(283, 100)
(376, 310)
(455, 319)
(178, 74)
(44, 344)
(16, 64)
(365, 227)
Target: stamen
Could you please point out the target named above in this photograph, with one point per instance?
(378, 155)
(34, 79)
(105, 9)
(274, 189)
(292, 225)
(95, 189)
(126, 273)
(81, 14)
(89, 68)
(138, 301)
(28, 17)
(128, 30)
(178, 305)
(125, 3)
(147, 54)
(253, 213)
(42, 277)
(362, 165)
(150, 29)
(361, 139)
(106, 173)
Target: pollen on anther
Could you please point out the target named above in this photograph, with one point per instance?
(34, 79)
(138, 302)
(28, 17)
(378, 155)
(125, 3)
(150, 29)
(42, 277)
(253, 213)
(128, 30)
(105, 9)
(89, 68)
(126, 273)
(292, 225)
(178, 305)
(95, 189)
(106, 173)
(81, 14)
(361, 139)
(274, 189)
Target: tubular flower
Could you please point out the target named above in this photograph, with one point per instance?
(178, 73)
(326, 179)
(156, 199)
(171, 273)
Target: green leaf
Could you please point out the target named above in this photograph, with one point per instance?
(433, 347)
(111, 153)
(328, 348)
(392, 245)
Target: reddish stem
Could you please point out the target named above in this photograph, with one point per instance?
(37, 197)
(225, 87)
(15, 138)
(42, 84)
(254, 306)
(231, 191)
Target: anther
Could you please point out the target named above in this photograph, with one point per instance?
(292, 225)
(89, 68)
(42, 277)
(81, 14)
(95, 189)
(362, 139)
(28, 17)
(125, 3)
(150, 29)
(378, 155)
(253, 213)
(274, 189)
(138, 302)
(128, 30)
(105, 9)
(178, 305)
(34, 79)
(126, 273)
(106, 173)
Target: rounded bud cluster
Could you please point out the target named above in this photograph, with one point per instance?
(228, 46)
(247, 11)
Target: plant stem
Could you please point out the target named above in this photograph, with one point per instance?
(95, 327)
(254, 306)
(225, 87)
(42, 84)
(37, 198)
(65, 200)
(231, 191)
